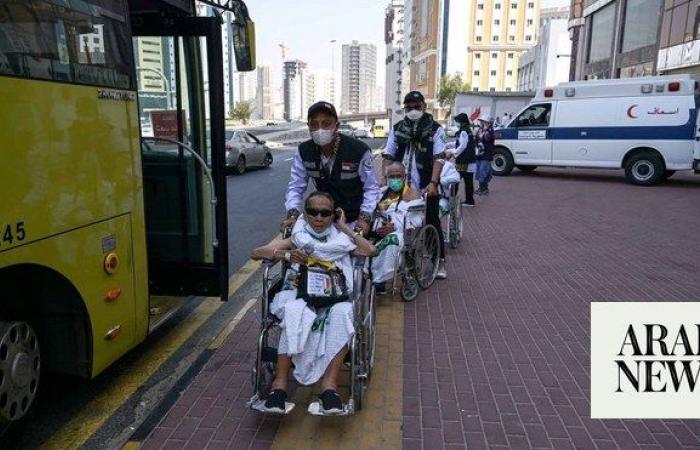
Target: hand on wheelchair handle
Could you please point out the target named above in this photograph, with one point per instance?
(298, 256)
(286, 227)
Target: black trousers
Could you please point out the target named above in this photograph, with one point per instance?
(468, 178)
(432, 217)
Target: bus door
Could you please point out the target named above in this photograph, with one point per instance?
(179, 69)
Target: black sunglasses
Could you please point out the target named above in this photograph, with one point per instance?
(313, 212)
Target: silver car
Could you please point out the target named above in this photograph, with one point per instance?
(244, 150)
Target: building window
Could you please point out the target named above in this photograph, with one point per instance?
(529, 22)
(495, 38)
(508, 89)
(479, 22)
(513, 6)
(509, 72)
(493, 73)
(531, 5)
(512, 22)
(510, 56)
(476, 89)
(496, 22)
(477, 55)
(480, 6)
(478, 39)
(424, 17)
(528, 38)
(641, 23)
(511, 38)
(602, 31)
(492, 89)
(494, 55)
(497, 6)
(476, 73)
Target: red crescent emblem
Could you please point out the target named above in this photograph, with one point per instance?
(630, 113)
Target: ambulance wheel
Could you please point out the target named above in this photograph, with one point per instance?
(644, 168)
(668, 174)
(526, 168)
(502, 163)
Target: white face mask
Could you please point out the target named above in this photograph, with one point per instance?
(322, 137)
(414, 115)
(318, 235)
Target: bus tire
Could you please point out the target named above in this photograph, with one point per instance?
(644, 168)
(20, 366)
(526, 168)
(502, 164)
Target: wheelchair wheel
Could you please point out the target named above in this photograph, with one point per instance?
(409, 289)
(426, 255)
(455, 226)
(371, 326)
(357, 373)
(266, 363)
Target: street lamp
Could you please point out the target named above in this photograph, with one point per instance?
(168, 90)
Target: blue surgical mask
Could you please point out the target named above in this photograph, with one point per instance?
(395, 184)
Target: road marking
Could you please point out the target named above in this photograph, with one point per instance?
(80, 428)
(228, 329)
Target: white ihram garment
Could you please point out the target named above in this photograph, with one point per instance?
(312, 351)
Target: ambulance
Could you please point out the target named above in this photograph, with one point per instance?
(646, 126)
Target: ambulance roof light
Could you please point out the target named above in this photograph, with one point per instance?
(674, 86)
(660, 88)
(647, 88)
(549, 92)
(570, 92)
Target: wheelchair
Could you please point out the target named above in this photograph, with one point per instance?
(417, 262)
(361, 355)
(451, 216)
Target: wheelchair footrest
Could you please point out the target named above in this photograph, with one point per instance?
(316, 410)
(258, 404)
(269, 354)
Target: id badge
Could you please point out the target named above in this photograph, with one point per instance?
(319, 284)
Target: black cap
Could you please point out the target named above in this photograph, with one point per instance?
(462, 118)
(413, 96)
(322, 107)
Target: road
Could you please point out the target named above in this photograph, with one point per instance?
(256, 207)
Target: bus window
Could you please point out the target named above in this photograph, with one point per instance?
(79, 42)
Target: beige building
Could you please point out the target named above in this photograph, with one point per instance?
(425, 33)
(498, 32)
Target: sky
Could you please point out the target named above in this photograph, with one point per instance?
(306, 27)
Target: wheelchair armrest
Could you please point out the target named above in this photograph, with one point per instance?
(415, 208)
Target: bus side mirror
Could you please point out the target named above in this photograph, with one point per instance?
(244, 43)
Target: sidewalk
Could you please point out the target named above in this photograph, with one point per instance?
(498, 356)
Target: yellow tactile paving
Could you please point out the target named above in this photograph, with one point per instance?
(378, 425)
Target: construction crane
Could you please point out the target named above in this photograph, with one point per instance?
(283, 50)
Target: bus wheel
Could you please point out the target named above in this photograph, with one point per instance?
(645, 168)
(502, 163)
(20, 367)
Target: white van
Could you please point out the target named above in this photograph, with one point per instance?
(647, 126)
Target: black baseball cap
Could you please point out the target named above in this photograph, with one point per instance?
(461, 118)
(413, 96)
(322, 106)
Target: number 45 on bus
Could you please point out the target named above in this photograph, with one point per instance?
(112, 179)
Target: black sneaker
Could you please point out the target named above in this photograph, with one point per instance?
(331, 402)
(380, 288)
(468, 205)
(276, 401)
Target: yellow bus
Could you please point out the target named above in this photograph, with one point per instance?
(105, 231)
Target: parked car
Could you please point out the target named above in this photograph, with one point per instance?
(346, 129)
(363, 133)
(378, 131)
(270, 124)
(244, 150)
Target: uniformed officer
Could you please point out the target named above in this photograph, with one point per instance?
(418, 142)
(465, 157)
(339, 165)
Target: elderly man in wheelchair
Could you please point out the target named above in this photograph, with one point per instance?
(407, 247)
(314, 305)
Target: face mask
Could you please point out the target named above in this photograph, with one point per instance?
(318, 235)
(322, 137)
(414, 115)
(395, 184)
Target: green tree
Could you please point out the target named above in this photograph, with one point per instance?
(242, 111)
(450, 85)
